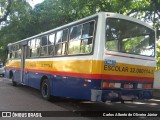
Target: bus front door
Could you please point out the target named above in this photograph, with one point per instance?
(23, 57)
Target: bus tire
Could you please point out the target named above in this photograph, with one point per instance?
(45, 90)
(13, 82)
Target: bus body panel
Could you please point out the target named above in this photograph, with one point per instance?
(83, 84)
(128, 71)
(83, 76)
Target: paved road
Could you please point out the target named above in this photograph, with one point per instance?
(23, 98)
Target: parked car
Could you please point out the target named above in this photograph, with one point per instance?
(2, 71)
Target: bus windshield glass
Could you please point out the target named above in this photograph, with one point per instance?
(129, 37)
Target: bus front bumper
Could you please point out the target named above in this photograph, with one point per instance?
(120, 94)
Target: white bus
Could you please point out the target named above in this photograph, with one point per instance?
(103, 57)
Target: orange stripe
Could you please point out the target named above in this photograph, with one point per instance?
(97, 76)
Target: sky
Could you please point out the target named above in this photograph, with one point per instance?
(34, 2)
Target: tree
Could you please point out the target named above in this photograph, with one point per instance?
(13, 11)
(5, 6)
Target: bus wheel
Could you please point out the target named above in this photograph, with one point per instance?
(45, 90)
(13, 82)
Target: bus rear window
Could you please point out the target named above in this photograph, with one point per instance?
(129, 37)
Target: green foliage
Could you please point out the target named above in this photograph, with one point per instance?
(11, 27)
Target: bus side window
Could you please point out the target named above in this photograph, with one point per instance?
(44, 47)
(29, 49)
(9, 55)
(19, 52)
(38, 44)
(87, 37)
(33, 48)
(91, 32)
(64, 41)
(81, 38)
(58, 45)
(75, 40)
(28, 52)
(13, 54)
(16, 54)
(51, 39)
(111, 37)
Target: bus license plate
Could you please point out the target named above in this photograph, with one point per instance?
(128, 85)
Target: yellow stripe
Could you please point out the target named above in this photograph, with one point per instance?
(65, 66)
(13, 63)
(88, 67)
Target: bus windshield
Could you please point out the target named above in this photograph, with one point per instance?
(129, 37)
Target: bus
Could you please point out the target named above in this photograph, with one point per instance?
(103, 57)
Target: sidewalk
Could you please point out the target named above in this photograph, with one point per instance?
(156, 93)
